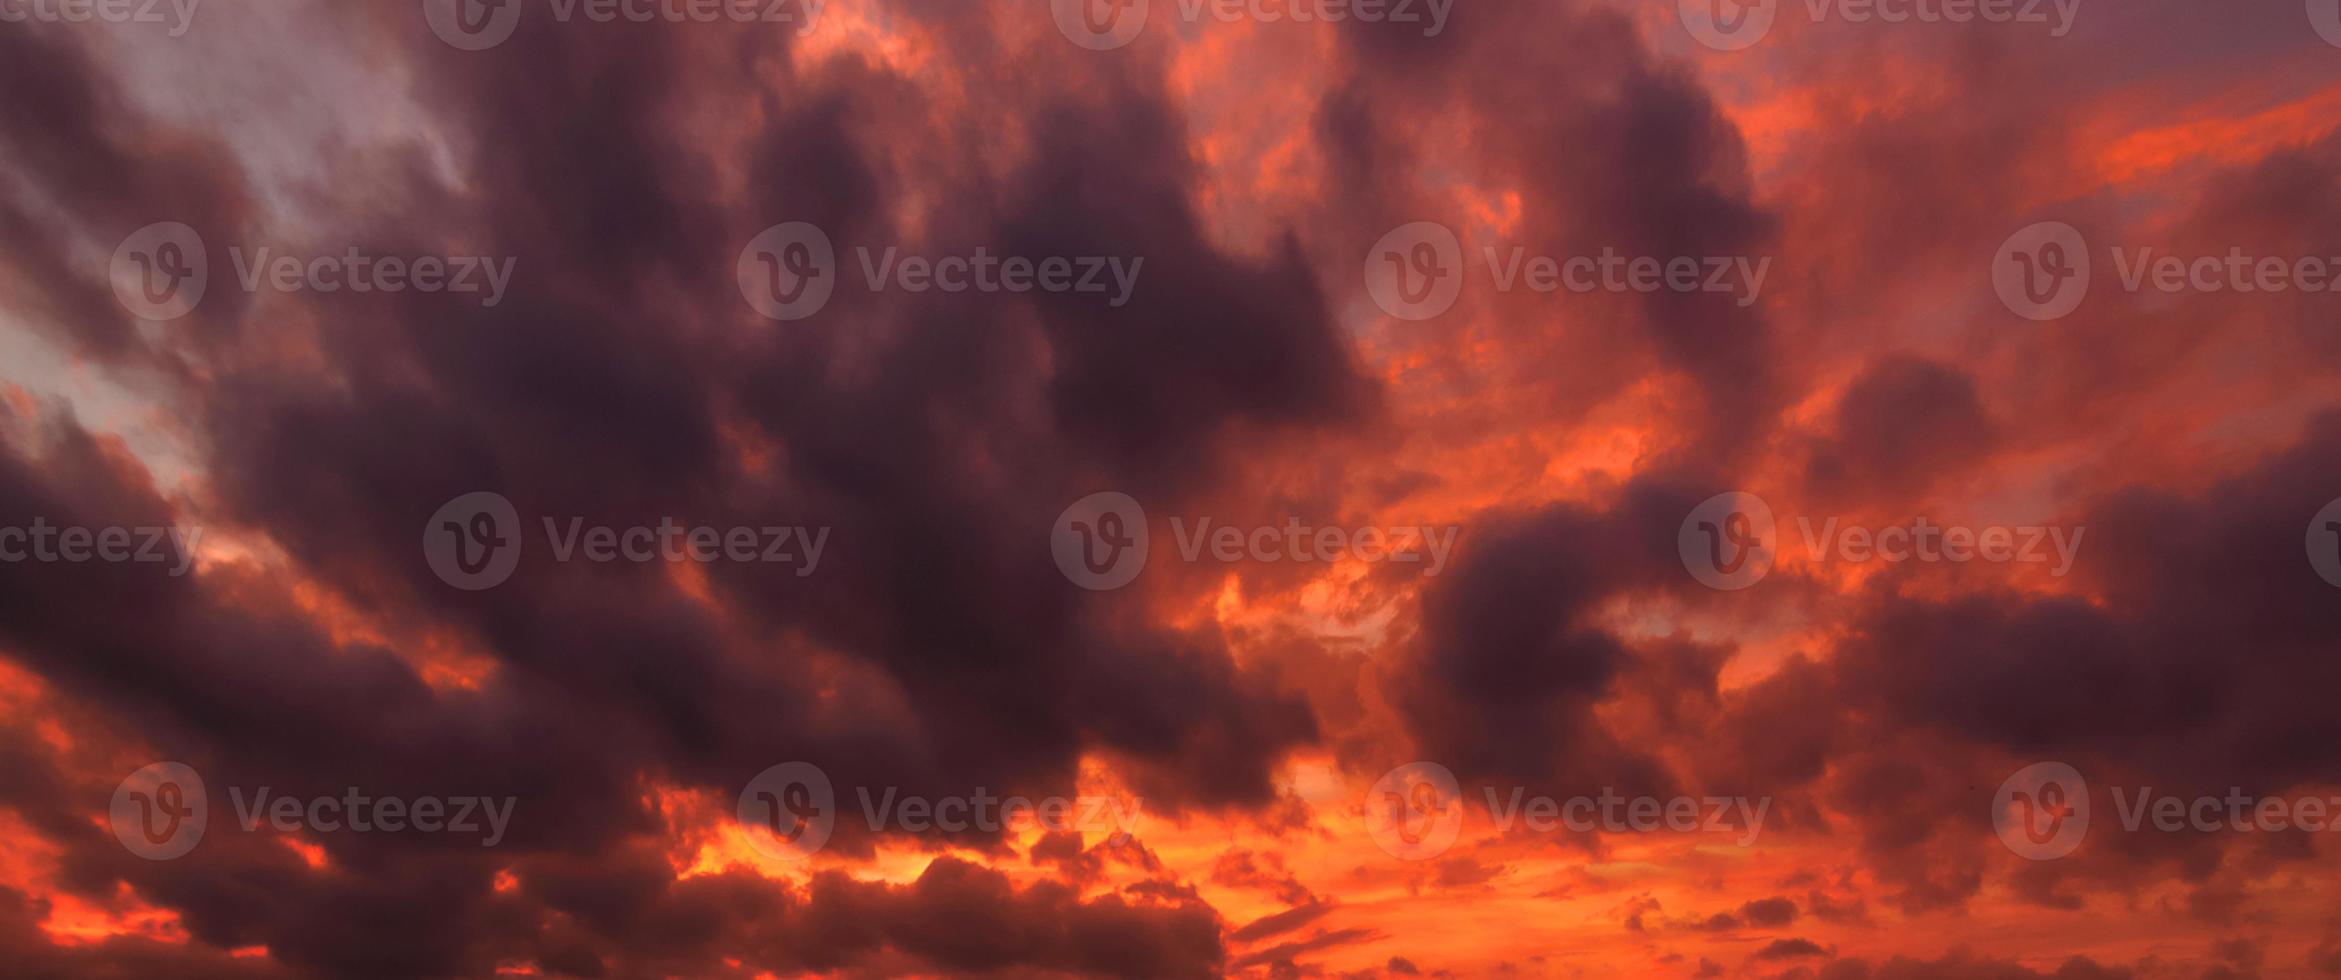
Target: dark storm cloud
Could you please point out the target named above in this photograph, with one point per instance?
(2209, 605)
(1902, 424)
(2193, 671)
(938, 651)
(1671, 180)
(1509, 666)
(618, 383)
(1509, 663)
(1513, 655)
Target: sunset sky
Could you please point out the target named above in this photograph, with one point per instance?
(708, 448)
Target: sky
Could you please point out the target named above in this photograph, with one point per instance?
(1841, 489)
